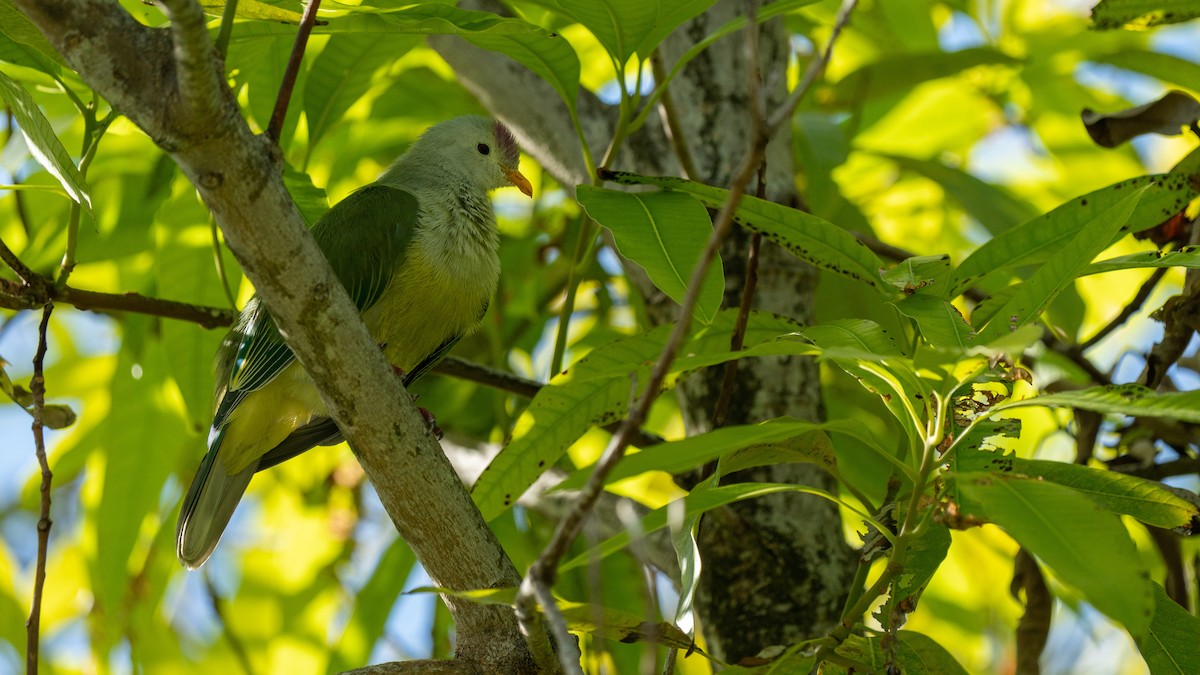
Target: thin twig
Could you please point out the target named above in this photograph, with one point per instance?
(491, 377)
(815, 69)
(725, 398)
(275, 127)
(220, 262)
(1134, 305)
(37, 387)
(18, 296)
(670, 116)
(23, 272)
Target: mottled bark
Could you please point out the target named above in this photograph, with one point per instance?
(775, 569)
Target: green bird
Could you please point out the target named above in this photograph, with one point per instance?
(417, 252)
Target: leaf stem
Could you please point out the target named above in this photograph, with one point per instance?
(226, 31)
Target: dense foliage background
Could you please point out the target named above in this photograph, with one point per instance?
(945, 135)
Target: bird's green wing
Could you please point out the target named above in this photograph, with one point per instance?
(364, 237)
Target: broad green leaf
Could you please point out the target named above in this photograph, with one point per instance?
(1145, 500)
(1044, 237)
(310, 199)
(688, 453)
(867, 353)
(1086, 545)
(626, 27)
(1036, 293)
(549, 56)
(1142, 14)
(924, 556)
(595, 391)
(940, 323)
(1170, 646)
(21, 31)
(695, 503)
(916, 654)
(900, 73)
(993, 206)
(342, 73)
(1124, 399)
(373, 603)
(816, 241)
(1187, 257)
(43, 143)
(664, 232)
(254, 10)
(854, 335)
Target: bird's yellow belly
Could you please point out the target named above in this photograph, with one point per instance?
(425, 305)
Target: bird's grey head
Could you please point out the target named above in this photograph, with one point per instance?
(476, 150)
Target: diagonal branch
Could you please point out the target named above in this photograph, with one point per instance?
(239, 177)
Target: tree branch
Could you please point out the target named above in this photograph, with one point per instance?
(239, 178)
(38, 388)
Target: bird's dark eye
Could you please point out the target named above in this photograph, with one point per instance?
(483, 148)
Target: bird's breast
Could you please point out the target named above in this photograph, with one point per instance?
(441, 290)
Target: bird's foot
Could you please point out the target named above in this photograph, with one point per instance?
(430, 420)
(430, 423)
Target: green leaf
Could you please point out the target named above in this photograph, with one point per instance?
(1035, 294)
(373, 603)
(1187, 257)
(342, 73)
(940, 323)
(43, 143)
(925, 554)
(549, 56)
(254, 10)
(688, 453)
(1170, 646)
(1141, 14)
(812, 239)
(596, 391)
(310, 199)
(1124, 399)
(918, 272)
(21, 31)
(664, 232)
(1087, 546)
(626, 27)
(900, 73)
(1044, 237)
(916, 654)
(1145, 500)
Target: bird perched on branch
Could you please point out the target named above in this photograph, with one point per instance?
(417, 252)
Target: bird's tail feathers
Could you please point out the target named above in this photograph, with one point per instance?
(208, 506)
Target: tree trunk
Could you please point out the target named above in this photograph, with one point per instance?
(776, 568)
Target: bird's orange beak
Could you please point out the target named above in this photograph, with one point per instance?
(520, 182)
